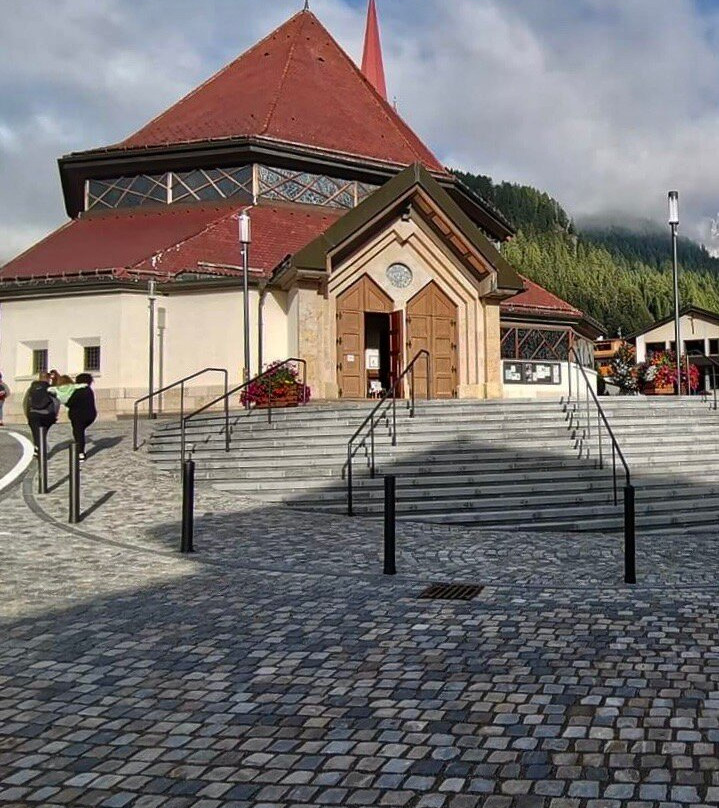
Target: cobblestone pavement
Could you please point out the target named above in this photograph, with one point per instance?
(10, 452)
(275, 667)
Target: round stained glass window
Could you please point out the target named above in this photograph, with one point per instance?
(399, 275)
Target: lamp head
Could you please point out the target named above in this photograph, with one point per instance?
(244, 227)
(673, 207)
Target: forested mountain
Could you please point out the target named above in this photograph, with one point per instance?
(621, 278)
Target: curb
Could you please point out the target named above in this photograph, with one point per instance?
(22, 465)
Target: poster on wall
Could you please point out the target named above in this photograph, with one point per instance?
(532, 372)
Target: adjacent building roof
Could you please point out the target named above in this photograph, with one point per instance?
(693, 311)
(535, 300)
(168, 240)
(268, 91)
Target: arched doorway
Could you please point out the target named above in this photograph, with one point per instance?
(364, 328)
(432, 326)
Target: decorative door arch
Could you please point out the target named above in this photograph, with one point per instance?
(432, 326)
(362, 297)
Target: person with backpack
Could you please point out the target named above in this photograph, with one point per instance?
(4, 393)
(82, 411)
(41, 408)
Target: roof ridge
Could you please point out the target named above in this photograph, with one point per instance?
(384, 106)
(283, 77)
(215, 75)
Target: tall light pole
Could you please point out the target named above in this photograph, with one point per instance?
(152, 297)
(245, 240)
(674, 224)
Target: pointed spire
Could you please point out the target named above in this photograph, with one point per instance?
(372, 63)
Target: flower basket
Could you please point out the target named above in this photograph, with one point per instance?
(653, 389)
(286, 396)
(277, 387)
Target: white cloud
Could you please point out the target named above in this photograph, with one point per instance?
(604, 103)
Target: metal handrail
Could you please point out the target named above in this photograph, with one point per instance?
(715, 364)
(630, 565)
(238, 389)
(373, 417)
(181, 384)
(601, 418)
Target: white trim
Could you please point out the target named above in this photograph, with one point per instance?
(27, 456)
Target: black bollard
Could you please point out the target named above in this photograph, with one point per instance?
(74, 488)
(42, 461)
(390, 567)
(188, 506)
(630, 568)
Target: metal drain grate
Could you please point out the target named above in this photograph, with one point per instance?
(451, 592)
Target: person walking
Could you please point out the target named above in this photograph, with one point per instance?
(41, 408)
(82, 411)
(4, 393)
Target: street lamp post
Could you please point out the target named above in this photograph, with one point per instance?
(674, 224)
(245, 240)
(152, 298)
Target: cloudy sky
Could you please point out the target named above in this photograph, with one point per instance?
(605, 104)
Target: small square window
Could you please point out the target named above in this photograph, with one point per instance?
(713, 347)
(92, 358)
(39, 361)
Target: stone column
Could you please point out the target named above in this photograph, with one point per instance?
(492, 352)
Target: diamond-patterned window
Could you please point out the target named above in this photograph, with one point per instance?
(207, 184)
(122, 192)
(535, 344)
(310, 189)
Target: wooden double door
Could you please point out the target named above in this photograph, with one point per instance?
(353, 307)
(431, 319)
(432, 326)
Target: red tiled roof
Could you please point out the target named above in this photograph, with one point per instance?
(296, 86)
(537, 300)
(169, 239)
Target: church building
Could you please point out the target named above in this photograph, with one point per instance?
(364, 248)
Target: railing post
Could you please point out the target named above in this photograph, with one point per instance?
(599, 438)
(227, 412)
(614, 472)
(349, 480)
(429, 376)
(630, 570)
(42, 460)
(269, 400)
(188, 506)
(390, 503)
(411, 393)
(74, 487)
(134, 429)
(371, 437)
(394, 416)
(569, 374)
(182, 440)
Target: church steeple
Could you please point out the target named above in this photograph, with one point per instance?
(372, 64)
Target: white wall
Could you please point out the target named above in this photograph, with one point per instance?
(202, 329)
(551, 391)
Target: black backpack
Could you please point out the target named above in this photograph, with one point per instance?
(41, 402)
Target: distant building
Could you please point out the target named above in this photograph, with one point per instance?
(365, 248)
(700, 341)
(604, 351)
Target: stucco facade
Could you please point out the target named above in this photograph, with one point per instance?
(193, 330)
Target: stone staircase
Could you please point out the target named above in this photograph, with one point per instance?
(499, 464)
